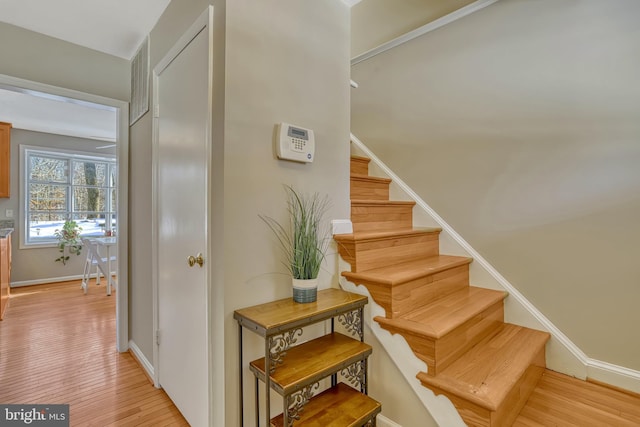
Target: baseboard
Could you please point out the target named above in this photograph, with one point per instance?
(50, 280)
(45, 281)
(144, 363)
(382, 421)
(616, 376)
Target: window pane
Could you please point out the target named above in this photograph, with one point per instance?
(47, 169)
(90, 173)
(43, 225)
(90, 200)
(93, 227)
(47, 197)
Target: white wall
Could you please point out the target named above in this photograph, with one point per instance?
(519, 126)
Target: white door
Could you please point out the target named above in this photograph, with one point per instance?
(182, 152)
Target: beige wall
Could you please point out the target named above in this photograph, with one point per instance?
(520, 125)
(279, 61)
(375, 22)
(33, 56)
(39, 58)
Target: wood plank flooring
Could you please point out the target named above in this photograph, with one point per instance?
(57, 345)
(560, 400)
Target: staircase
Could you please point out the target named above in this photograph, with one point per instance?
(486, 367)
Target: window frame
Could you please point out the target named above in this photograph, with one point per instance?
(110, 211)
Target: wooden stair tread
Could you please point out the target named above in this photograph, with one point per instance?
(438, 318)
(486, 373)
(369, 178)
(364, 236)
(360, 158)
(407, 271)
(338, 406)
(308, 362)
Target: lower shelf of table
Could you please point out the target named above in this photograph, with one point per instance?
(339, 406)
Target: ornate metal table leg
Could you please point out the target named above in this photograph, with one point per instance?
(294, 403)
(353, 323)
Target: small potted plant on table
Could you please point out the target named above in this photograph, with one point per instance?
(304, 240)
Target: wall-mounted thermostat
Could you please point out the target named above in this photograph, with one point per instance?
(295, 143)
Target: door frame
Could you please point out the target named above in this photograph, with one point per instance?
(122, 160)
(203, 23)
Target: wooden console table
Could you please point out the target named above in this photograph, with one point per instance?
(296, 370)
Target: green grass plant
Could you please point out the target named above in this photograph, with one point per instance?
(304, 238)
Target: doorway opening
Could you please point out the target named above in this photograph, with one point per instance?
(105, 140)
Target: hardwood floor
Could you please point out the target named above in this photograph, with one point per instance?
(560, 400)
(57, 345)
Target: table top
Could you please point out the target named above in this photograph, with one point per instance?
(106, 241)
(285, 314)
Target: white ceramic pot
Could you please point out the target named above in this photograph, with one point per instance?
(305, 290)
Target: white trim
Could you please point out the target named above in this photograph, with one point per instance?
(433, 25)
(382, 421)
(122, 155)
(146, 365)
(615, 375)
(50, 152)
(609, 373)
(45, 281)
(50, 280)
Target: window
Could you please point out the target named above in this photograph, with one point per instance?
(62, 185)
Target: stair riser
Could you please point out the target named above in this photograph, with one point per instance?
(411, 295)
(381, 217)
(440, 353)
(360, 166)
(515, 401)
(461, 339)
(404, 298)
(378, 253)
(369, 190)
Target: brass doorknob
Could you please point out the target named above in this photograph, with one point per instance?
(193, 260)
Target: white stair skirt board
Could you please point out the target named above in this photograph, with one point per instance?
(562, 354)
(440, 408)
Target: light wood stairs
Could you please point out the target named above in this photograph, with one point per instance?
(486, 367)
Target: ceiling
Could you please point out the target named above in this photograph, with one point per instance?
(115, 27)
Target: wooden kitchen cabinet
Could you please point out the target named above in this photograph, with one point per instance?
(5, 158)
(5, 271)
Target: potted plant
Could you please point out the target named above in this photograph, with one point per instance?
(69, 239)
(304, 240)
